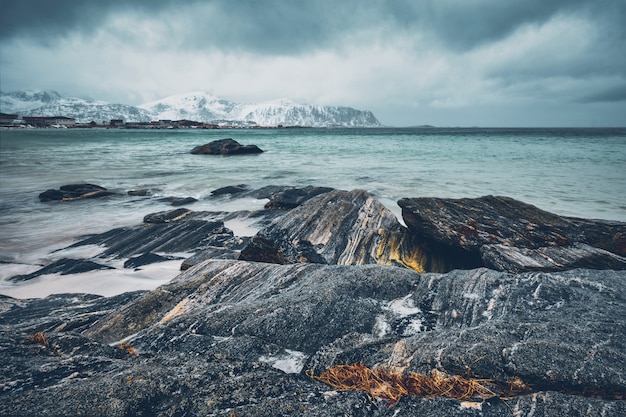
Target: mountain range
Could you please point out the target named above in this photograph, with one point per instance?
(197, 106)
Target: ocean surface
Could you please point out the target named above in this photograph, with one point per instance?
(572, 172)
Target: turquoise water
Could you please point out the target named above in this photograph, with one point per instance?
(574, 172)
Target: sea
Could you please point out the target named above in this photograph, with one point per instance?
(571, 171)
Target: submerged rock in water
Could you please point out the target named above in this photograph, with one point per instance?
(64, 267)
(147, 259)
(178, 201)
(237, 338)
(166, 216)
(225, 147)
(230, 190)
(293, 197)
(74, 192)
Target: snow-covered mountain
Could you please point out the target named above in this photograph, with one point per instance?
(206, 107)
(51, 103)
(197, 106)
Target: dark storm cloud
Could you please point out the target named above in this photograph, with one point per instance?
(468, 24)
(612, 95)
(288, 26)
(42, 19)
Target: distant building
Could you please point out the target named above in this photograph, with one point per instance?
(8, 119)
(116, 122)
(47, 121)
(63, 121)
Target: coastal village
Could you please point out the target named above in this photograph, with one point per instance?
(63, 122)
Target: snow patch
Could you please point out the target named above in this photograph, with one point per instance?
(290, 361)
(403, 307)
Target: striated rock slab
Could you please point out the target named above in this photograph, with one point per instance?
(487, 225)
(226, 146)
(74, 192)
(171, 232)
(549, 258)
(235, 338)
(338, 227)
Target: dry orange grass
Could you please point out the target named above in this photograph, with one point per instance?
(390, 385)
(128, 348)
(40, 339)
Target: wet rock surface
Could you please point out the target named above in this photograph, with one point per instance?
(514, 236)
(225, 147)
(218, 339)
(74, 192)
(293, 197)
(64, 267)
(337, 227)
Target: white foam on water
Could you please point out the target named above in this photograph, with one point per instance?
(102, 282)
(242, 227)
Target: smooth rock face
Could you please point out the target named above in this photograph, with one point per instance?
(74, 192)
(515, 236)
(225, 147)
(218, 339)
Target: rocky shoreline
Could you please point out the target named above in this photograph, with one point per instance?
(489, 288)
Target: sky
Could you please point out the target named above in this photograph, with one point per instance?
(530, 63)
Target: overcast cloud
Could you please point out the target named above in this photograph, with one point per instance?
(440, 62)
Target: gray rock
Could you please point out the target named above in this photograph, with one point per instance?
(75, 192)
(147, 259)
(293, 197)
(230, 190)
(63, 266)
(166, 216)
(214, 340)
(529, 233)
(143, 192)
(549, 258)
(174, 231)
(225, 147)
(350, 228)
(178, 201)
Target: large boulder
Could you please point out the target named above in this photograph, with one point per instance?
(514, 236)
(341, 228)
(241, 338)
(225, 147)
